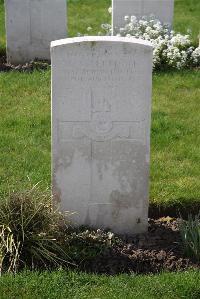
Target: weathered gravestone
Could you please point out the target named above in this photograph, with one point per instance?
(101, 106)
(30, 27)
(161, 9)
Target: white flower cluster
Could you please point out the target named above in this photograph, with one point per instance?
(170, 49)
(196, 56)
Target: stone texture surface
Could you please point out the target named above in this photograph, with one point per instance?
(30, 27)
(101, 107)
(162, 9)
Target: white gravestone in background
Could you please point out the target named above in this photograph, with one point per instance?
(162, 9)
(31, 25)
(101, 107)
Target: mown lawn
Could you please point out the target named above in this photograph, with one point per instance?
(25, 130)
(25, 117)
(175, 155)
(2, 27)
(71, 285)
(175, 141)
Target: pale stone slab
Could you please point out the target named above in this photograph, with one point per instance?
(30, 27)
(101, 107)
(162, 9)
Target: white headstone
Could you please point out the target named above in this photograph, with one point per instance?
(101, 107)
(30, 27)
(161, 9)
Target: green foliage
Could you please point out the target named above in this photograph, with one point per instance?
(32, 229)
(190, 234)
(72, 285)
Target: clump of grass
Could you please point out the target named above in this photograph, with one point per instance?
(190, 234)
(34, 235)
(31, 232)
(8, 248)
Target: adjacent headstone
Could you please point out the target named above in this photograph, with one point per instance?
(161, 9)
(101, 107)
(30, 27)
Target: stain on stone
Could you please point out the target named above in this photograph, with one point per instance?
(56, 192)
(120, 201)
(93, 44)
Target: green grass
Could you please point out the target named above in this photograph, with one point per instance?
(64, 285)
(2, 27)
(187, 16)
(175, 159)
(87, 13)
(25, 129)
(175, 156)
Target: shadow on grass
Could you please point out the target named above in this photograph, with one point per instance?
(2, 55)
(175, 208)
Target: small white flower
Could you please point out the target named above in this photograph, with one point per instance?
(121, 30)
(169, 48)
(133, 19)
(110, 10)
(126, 18)
(148, 29)
(196, 57)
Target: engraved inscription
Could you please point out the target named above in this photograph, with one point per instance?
(127, 130)
(101, 112)
(100, 127)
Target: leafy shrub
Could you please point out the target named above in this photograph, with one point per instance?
(190, 234)
(170, 49)
(30, 232)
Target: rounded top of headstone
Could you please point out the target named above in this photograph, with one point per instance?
(83, 39)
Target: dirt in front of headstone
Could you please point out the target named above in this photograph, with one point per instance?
(159, 249)
(27, 67)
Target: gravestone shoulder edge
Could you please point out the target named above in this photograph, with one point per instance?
(67, 41)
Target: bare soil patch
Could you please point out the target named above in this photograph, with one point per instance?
(157, 250)
(28, 67)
